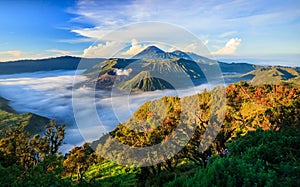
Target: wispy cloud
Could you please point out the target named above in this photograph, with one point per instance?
(32, 55)
(12, 53)
(226, 34)
(76, 40)
(219, 19)
(196, 15)
(59, 52)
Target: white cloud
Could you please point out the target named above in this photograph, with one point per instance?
(123, 72)
(109, 49)
(134, 49)
(141, 35)
(230, 47)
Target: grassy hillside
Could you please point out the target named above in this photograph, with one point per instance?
(33, 123)
(108, 173)
(8, 118)
(274, 75)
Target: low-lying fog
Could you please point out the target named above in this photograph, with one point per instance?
(50, 94)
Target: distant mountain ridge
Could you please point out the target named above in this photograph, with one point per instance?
(160, 65)
(48, 64)
(154, 69)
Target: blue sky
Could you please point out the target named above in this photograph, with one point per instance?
(264, 31)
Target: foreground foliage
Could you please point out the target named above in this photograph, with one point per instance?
(239, 156)
(261, 158)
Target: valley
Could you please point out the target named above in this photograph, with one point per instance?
(156, 74)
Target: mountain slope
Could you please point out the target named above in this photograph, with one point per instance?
(8, 117)
(240, 68)
(151, 52)
(165, 69)
(177, 68)
(144, 82)
(125, 72)
(5, 106)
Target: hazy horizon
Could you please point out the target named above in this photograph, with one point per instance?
(292, 60)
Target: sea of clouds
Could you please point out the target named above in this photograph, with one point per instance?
(49, 94)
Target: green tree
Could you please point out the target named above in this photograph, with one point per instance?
(15, 148)
(78, 160)
(31, 158)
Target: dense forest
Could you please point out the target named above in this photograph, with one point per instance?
(257, 145)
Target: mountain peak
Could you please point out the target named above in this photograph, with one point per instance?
(153, 48)
(151, 52)
(181, 54)
(177, 51)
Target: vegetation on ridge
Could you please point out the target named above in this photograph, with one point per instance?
(10, 118)
(239, 156)
(274, 75)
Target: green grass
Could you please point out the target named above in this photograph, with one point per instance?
(108, 173)
(33, 123)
